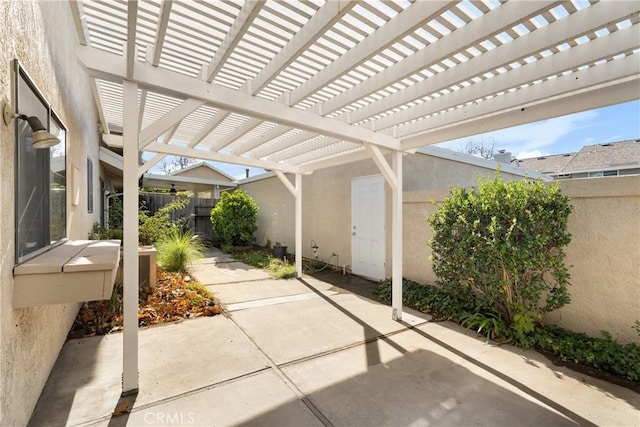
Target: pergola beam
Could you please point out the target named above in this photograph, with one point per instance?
(268, 151)
(169, 120)
(161, 31)
(493, 22)
(108, 66)
(586, 54)
(402, 24)
(264, 138)
(176, 150)
(579, 91)
(573, 26)
(208, 128)
(324, 18)
(243, 21)
(238, 132)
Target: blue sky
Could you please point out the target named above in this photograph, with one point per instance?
(564, 134)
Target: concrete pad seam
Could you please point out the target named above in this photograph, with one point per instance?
(246, 305)
(234, 282)
(306, 401)
(177, 396)
(381, 337)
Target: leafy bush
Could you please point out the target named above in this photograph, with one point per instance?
(235, 218)
(602, 353)
(177, 249)
(440, 303)
(154, 228)
(501, 248)
(100, 233)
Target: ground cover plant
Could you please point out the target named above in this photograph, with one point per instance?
(262, 258)
(178, 248)
(597, 356)
(175, 297)
(500, 248)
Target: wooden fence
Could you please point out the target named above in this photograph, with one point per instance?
(198, 211)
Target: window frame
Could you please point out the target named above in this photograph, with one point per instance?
(21, 78)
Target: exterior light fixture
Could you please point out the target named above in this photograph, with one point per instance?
(41, 137)
(173, 190)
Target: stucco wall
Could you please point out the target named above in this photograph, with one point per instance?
(604, 253)
(32, 337)
(326, 203)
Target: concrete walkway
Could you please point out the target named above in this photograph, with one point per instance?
(302, 353)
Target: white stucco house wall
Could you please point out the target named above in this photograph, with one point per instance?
(30, 32)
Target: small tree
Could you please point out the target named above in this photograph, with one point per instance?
(153, 228)
(235, 218)
(502, 247)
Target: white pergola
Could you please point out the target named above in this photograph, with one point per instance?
(296, 86)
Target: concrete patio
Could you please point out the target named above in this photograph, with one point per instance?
(304, 353)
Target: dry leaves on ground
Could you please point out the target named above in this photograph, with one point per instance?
(175, 297)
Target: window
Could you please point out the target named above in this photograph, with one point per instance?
(41, 199)
(89, 186)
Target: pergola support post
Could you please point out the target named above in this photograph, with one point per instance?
(393, 176)
(299, 225)
(396, 236)
(131, 133)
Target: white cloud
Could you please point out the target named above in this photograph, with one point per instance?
(529, 154)
(532, 138)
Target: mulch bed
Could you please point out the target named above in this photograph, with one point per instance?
(175, 297)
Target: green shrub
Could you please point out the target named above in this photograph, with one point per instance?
(235, 218)
(153, 228)
(100, 233)
(501, 248)
(177, 249)
(602, 353)
(440, 303)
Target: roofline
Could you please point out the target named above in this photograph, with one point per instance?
(596, 169)
(258, 177)
(480, 162)
(202, 163)
(189, 180)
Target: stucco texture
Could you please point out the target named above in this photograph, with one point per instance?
(32, 337)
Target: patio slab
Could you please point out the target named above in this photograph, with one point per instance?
(260, 399)
(173, 359)
(304, 328)
(306, 353)
(226, 272)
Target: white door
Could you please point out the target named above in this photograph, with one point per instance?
(367, 226)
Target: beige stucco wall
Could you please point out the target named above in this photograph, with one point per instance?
(326, 204)
(604, 254)
(41, 36)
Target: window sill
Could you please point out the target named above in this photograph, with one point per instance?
(76, 271)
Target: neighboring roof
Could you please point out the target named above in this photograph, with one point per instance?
(299, 86)
(616, 155)
(202, 165)
(479, 161)
(184, 183)
(553, 163)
